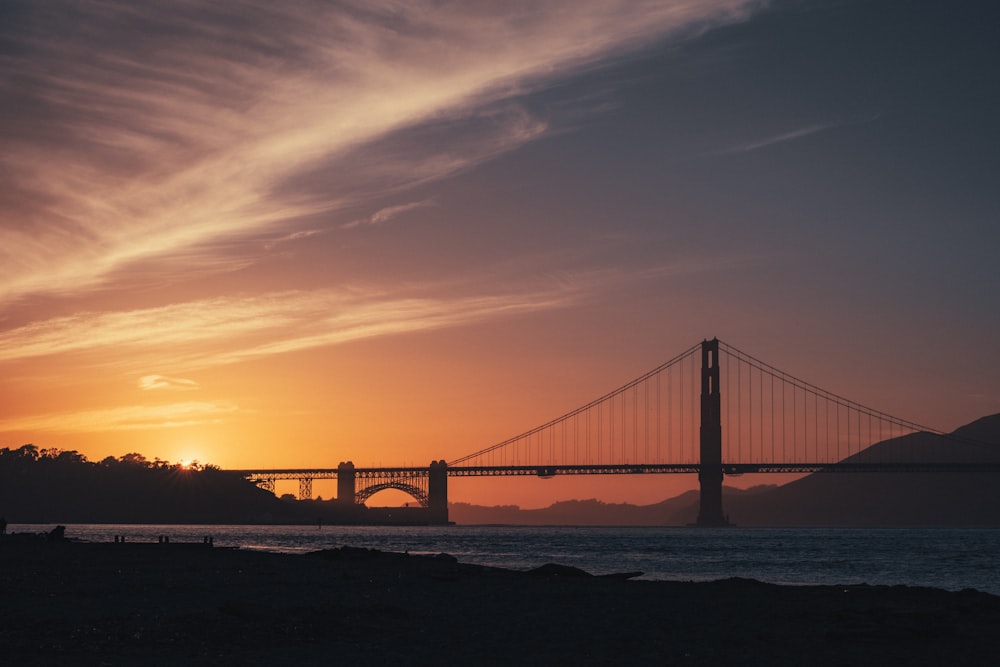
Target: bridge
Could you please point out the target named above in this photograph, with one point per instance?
(677, 419)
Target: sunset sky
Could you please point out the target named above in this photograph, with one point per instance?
(291, 234)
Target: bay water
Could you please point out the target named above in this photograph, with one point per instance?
(948, 558)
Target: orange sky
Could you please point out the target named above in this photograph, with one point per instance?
(289, 237)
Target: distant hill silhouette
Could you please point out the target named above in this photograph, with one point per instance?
(820, 499)
(896, 499)
(679, 510)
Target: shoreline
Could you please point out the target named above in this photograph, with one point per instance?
(192, 603)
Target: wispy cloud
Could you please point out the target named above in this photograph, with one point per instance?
(139, 132)
(791, 135)
(218, 331)
(160, 382)
(127, 418)
(294, 236)
(780, 138)
(384, 215)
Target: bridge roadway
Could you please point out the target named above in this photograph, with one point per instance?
(622, 469)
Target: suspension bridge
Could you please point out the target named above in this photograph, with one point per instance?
(712, 411)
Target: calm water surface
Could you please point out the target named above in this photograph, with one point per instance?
(946, 558)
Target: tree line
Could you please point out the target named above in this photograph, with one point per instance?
(52, 485)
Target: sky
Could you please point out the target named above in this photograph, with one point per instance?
(279, 235)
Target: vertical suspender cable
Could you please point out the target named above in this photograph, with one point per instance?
(729, 406)
(739, 411)
(760, 418)
(773, 438)
(815, 424)
(655, 434)
(681, 416)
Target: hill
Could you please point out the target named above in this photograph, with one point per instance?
(892, 499)
(677, 511)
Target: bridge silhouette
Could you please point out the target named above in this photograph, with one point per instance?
(712, 411)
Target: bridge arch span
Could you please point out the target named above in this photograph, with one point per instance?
(418, 494)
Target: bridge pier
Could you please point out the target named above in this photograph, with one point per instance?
(710, 469)
(437, 492)
(346, 487)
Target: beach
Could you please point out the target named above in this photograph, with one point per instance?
(67, 602)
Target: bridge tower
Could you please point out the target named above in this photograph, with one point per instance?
(710, 470)
(345, 483)
(437, 492)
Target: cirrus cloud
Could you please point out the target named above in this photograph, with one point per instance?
(135, 133)
(126, 418)
(210, 332)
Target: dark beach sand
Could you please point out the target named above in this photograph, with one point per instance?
(112, 604)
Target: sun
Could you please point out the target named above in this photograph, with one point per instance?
(188, 456)
(189, 464)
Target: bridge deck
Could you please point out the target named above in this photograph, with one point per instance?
(625, 469)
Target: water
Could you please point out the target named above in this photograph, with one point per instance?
(946, 558)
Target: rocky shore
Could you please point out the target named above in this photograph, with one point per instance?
(64, 602)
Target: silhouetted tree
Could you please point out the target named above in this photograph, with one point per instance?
(71, 457)
(55, 486)
(134, 459)
(27, 452)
